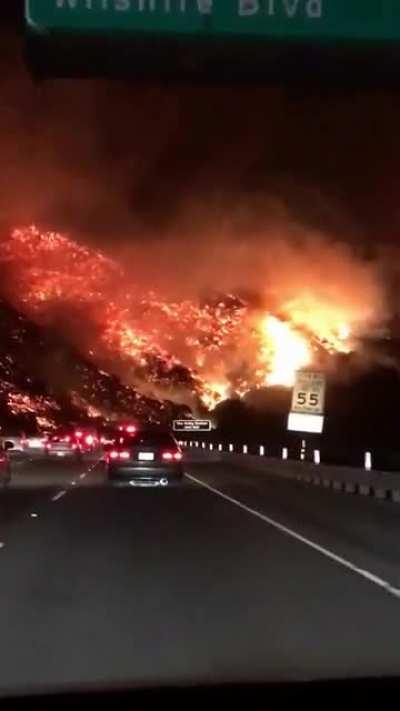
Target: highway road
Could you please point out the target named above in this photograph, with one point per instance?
(232, 576)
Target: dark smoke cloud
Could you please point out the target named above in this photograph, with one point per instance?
(180, 181)
(117, 162)
(262, 192)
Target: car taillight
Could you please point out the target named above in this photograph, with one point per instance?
(67, 439)
(114, 454)
(89, 439)
(170, 456)
(131, 429)
(78, 434)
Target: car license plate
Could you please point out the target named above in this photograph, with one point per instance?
(35, 444)
(146, 456)
(60, 454)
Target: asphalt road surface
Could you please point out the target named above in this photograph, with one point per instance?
(254, 578)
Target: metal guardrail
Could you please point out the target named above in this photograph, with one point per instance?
(366, 456)
(362, 481)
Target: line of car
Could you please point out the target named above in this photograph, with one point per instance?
(139, 456)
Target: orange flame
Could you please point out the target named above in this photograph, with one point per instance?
(160, 346)
(285, 351)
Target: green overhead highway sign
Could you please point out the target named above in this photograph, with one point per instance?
(288, 20)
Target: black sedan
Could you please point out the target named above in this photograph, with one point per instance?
(147, 458)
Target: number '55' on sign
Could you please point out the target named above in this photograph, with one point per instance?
(311, 399)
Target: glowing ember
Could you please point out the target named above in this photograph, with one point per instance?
(177, 350)
(40, 407)
(82, 404)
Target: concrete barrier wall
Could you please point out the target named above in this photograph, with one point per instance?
(339, 479)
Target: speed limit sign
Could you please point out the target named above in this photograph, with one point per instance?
(309, 393)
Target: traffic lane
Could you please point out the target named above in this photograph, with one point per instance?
(113, 585)
(362, 529)
(17, 501)
(44, 472)
(34, 482)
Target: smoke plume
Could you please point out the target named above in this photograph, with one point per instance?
(204, 213)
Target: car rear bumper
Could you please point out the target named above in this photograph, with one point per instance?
(64, 454)
(140, 472)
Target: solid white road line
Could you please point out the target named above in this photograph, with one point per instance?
(367, 575)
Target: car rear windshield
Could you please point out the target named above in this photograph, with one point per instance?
(151, 439)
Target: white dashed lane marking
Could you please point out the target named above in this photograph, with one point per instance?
(59, 495)
(73, 482)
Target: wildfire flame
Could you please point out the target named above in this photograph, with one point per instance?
(185, 350)
(285, 350)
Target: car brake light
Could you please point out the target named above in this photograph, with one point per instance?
(78, 433)
(67, 439)
(131, 429)
(124, 455)
(169, 456)
(114, 454)
(89, 439)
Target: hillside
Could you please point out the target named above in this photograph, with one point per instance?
(45, 381)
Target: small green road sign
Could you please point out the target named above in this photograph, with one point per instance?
(286, 20)
(192, 425)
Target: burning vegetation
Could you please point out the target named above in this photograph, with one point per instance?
(195, 351)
